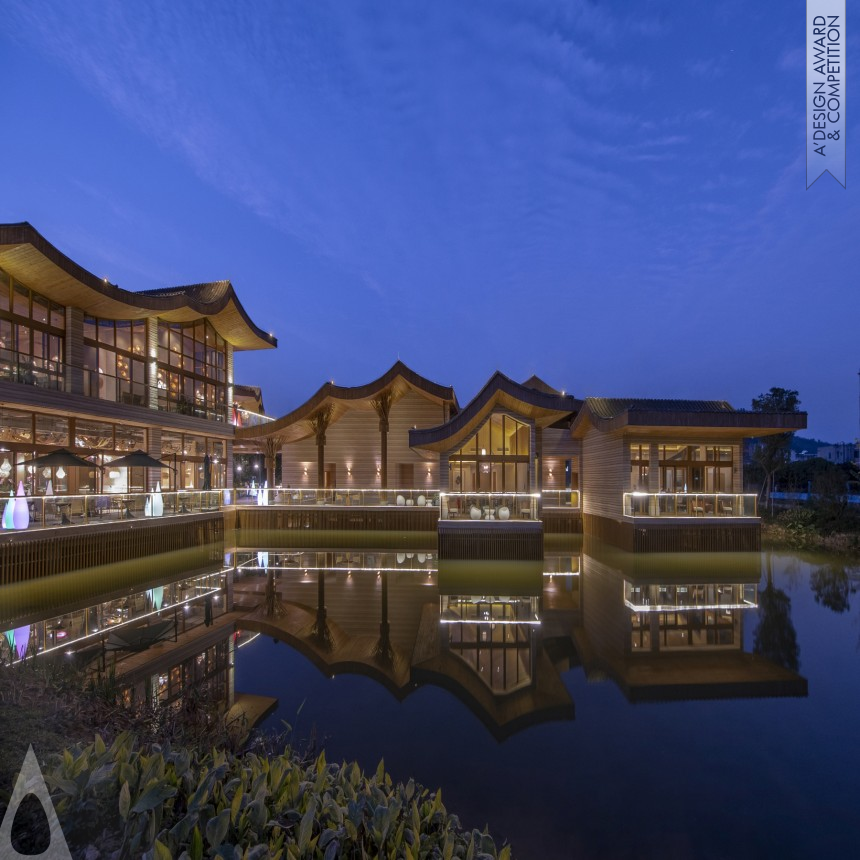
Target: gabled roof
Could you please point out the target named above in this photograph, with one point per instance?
(682, 417)
(500, 392)
(30, 258)
(534, 381)
(339, 399)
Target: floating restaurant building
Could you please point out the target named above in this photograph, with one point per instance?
(105, 372)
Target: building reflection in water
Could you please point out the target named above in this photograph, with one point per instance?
(671, 626)
(500, 636)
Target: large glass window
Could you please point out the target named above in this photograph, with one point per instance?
(32, 331)
(192, 369)
(495, 459)
(696, 468)
(114, 355)
(640, 459)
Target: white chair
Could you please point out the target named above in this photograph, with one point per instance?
(475, 513)
(504, 513)
(410, 502)
(421, 501)
(401, 501)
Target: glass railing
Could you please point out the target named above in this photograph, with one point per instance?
(184, 406)
(31, 370)
(338, 497)
(560, 499)
(46, 373)
(679, 597)
(246, 418)
(64, 510)
(489, 506)
(113, 388)
(690, 505)
(182, 601)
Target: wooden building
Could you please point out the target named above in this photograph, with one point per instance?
(92, 367)
(668, 474)
(356, 437)
(511, 438)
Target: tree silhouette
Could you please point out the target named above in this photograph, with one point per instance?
(832, 588)
(775, 637)
(773, 452)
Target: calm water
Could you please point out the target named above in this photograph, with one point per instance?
(638, 719)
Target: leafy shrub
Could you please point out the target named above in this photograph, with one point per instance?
(160, 802)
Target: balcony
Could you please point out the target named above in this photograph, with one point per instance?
(690, 505)
(489, 506)
(564, 499)
(56, 376)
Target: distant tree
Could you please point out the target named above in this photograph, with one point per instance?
(774, 452)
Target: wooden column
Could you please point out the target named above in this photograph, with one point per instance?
(319, 422)
(382, 405)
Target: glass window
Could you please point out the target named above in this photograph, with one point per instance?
(15, 426)
(95, 435)
(21, 301)
(106, 332)
(171, 443)
(40, 310)
(123, 335)
(52, 430)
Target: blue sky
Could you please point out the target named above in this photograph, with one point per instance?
(611, 195)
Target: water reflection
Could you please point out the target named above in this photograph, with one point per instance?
(666, 627)
(499, 635)
(123, 619)
(775, 637)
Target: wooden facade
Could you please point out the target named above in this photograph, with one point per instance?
(26, 556)
(353, 450)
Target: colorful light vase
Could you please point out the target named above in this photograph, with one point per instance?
(21, 515)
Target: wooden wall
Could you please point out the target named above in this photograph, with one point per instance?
(604, 473)
(31, 555)
(558, 447)
(353, 443)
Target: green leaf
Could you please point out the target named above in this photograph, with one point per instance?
(195, 850)
(505, 853)
(306, 827)
(236, 805)
(156, 794)
(124, 801)
(380, 772)
(217, 827)
(161, 852)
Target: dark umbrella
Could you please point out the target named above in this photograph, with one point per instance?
(136, 459)
(61, 457)
(207, 473)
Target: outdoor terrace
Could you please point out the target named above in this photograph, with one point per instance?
(690, 505)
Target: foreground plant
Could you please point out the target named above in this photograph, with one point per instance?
(162, 802)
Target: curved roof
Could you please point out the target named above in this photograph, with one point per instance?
(30, 258)
(684, 417)
(399, 379)
(541, 406)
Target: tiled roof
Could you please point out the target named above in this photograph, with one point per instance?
(535, 382)
(609, 407)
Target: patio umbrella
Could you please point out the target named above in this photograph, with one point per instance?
(207, 473)
(61, 457)
(136, 459)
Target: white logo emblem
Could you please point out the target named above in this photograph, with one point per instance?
(31, 781)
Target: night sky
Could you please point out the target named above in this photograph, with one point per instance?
(610, 195)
